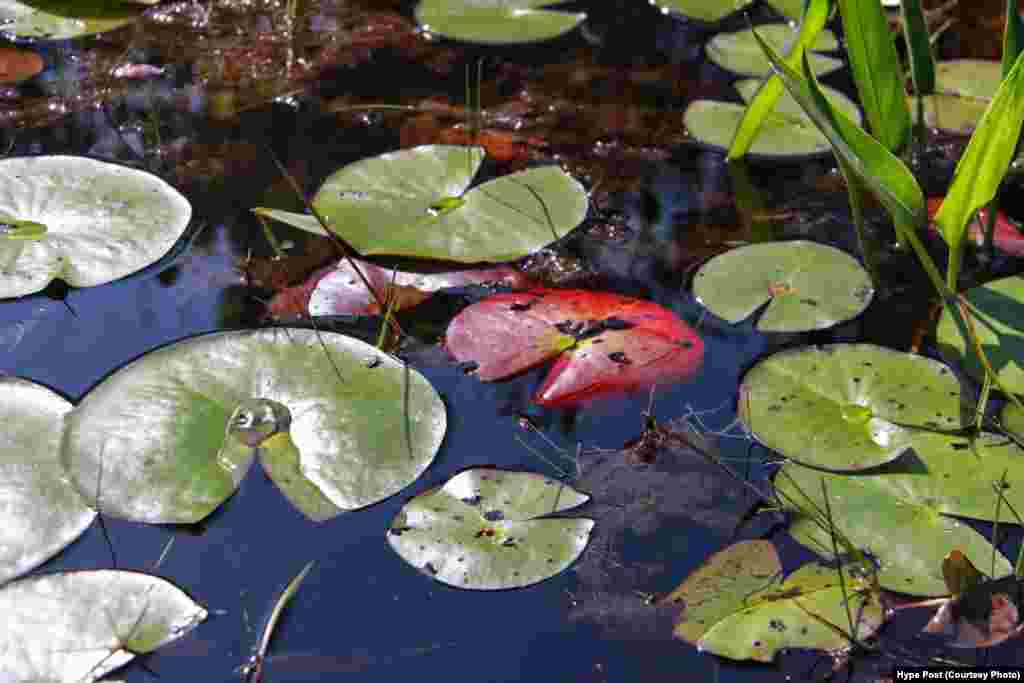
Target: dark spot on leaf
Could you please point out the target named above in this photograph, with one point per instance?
(475, 500)
(809, 302)
(509, 543)
(494, 515)
(856, 379)
(959, 446)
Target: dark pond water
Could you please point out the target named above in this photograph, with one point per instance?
(607, 102)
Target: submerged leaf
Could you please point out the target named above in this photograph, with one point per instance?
(607, 343)
(171, 434)
(485, 529)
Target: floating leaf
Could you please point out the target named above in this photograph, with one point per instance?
(172, 433)
(40, 511)
(94, 222)
(485, 530)
(62, 19)
(75, 627)
(899, 515)
(402, 204)
(740, 53)
(847, 407)
(737, 605)
(968, 77)
(807, 286)
(998, 313)
(608, 343)
(785, 132)
(952, 113)
(496, 22)
(711, 12)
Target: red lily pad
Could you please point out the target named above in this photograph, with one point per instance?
(606, 344)
(1006, 236)
(339, 290)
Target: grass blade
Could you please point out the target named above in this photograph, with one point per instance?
(915, 33)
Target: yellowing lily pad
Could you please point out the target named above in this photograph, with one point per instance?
(338, 425)
(953, 113)
(417, 202)
(40, 510)
(737, 605)
(84, 221)
(739, 52)
(847, 407)
(969, 77)
(806, 286)
(488, 529)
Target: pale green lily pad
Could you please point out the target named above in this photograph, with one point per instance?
(496, 22)
(170, 435)
(75, 627)
(486, 529)
(417, 203)
(62, 19)
(40, 510)
(806, 286)
(969, 77)
(951, 113)
(100, 221)
(895, 517)
(847, 407)
(737, 605)
(998, 322)
(711, 11)
(786, 132)
(739, 52)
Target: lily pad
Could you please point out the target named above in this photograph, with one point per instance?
(417, 203)
(606, 343)
(93, 222)
(900, 514)
(170, 435)
(739, 52)
(75, 627)
(998, 312)
(40, 510)
(737, 605)
(711, 12)
(496, 22)
(62, 19)
(485, 529)
(847, 407)
(951, 113)
(969, 77)
(806, 286)
(786, 132)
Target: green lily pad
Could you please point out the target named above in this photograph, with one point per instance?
(739, 52)
(896, 517)
(61, 19)
(40, 511)
(847, 407)
(485, 530)
(75, 627)
(806, 286)
(952, 113)
(84, 221)
(416, 203)
(496, 22)
(998, 321)
(737, 605)
(969, 77)
(170, 435)
(711, 12)
(786, 132)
